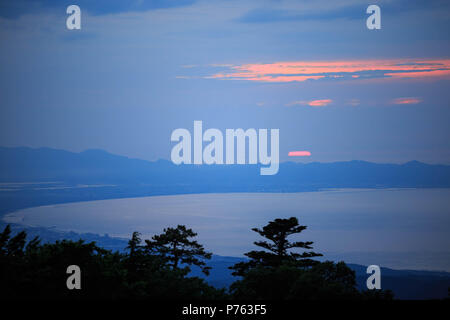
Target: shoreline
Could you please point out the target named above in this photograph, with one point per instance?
(150, 214)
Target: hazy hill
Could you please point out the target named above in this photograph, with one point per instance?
(100, 167)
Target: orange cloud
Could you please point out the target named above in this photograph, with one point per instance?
(407, 101)
(298, 71)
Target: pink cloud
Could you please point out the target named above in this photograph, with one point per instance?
(320, 103)
(312, 103)
(406, 100)
(299, 71)
(299, 154)
(422, 74)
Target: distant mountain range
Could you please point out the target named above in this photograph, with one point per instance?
(31, 177)
(100, 167)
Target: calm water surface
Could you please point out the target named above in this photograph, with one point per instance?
(399, 228)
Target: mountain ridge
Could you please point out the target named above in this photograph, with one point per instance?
(96, 166)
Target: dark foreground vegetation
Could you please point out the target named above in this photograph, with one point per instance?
(159, 268)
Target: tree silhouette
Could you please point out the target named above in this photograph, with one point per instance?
(277, 250)
(30, 270)
(134, 242)
(158, 269)
(175, 246)
(139, 264)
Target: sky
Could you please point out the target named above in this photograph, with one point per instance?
(137, 70)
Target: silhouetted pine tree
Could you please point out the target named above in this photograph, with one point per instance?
(278, 248)
(175, 246)
(38, 271)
